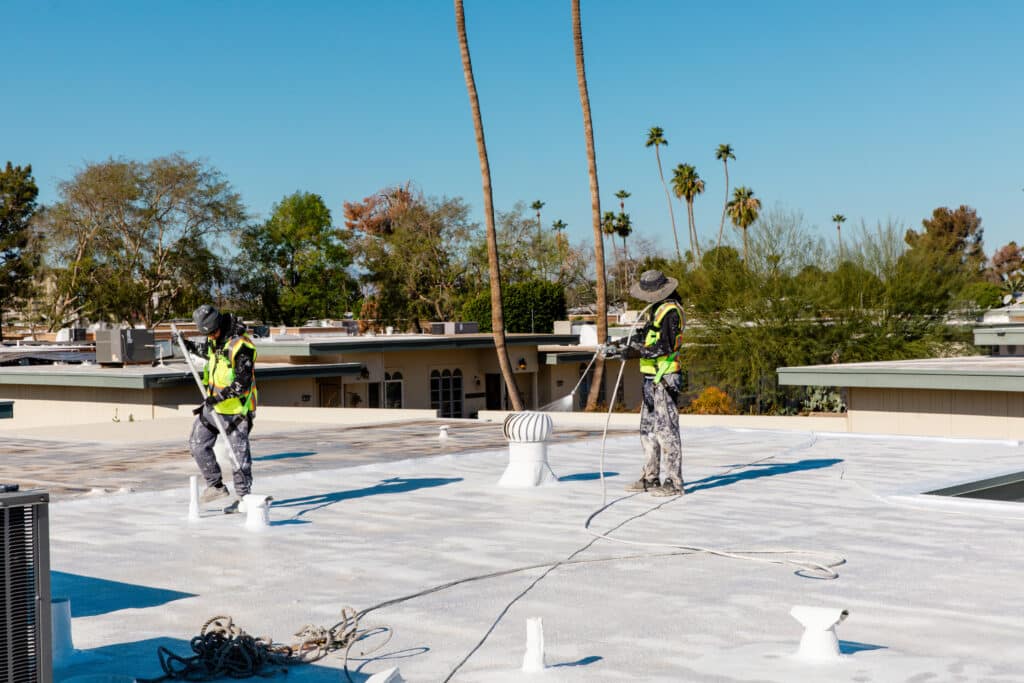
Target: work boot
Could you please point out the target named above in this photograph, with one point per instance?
(643, 485)
(669, 488)
(212, 493)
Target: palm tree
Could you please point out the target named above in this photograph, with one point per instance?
(608, 230)
(656, 138)
(839, 219)
(497, 313)
(558, 226)
(686, 184)
(724, 153)
(595, 204)
(623, 196)
(624, 228)
(537, 206)
(743, 210)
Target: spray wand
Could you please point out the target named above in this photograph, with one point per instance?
(217, 421)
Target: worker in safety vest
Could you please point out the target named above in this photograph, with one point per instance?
(229, 378)
(657, 346)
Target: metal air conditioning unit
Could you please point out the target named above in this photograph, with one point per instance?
(128, 345)
(455, 328)
(26, 648)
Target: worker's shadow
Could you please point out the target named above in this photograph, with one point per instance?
(394, 485)
(756, 471)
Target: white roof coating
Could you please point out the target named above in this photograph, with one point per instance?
(932, 585)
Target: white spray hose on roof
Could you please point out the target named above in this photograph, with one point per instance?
(217, 421)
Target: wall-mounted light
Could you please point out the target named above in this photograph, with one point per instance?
(476, 380)
(521, 364)
(364, 373)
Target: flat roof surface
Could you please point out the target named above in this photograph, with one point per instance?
(931, 583)
(969, 373)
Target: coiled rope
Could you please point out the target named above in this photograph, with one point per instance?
(224, 650)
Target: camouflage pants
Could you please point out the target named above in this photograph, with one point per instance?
(659, 430)
(204, 435)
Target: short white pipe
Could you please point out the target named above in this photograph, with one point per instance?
(392, 675)
(533, 660)
(193, 502)
(819, 640)
(60, 630)
(257, 511)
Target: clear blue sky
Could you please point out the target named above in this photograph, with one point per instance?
(876, 110)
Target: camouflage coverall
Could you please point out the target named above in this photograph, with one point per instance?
(204, 429)
(659, 416)
(204, 435)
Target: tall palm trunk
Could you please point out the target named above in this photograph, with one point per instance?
(668, 196)
(721, 226)
(497, 312)
(695, 241)
(595, 205)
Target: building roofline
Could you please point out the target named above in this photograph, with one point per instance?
(972, 373)
(311, 347)
(146, 377)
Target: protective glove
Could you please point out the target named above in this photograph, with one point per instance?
(631, 351)
(610, 351)
(212, 400)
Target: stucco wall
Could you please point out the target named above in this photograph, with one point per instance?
(922, 412)
(36, 406)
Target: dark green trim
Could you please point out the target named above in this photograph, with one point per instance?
(1009, 483)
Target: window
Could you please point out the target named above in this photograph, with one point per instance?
(393, 389)
(446, 392)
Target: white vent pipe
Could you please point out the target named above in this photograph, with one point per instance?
(193, 498)
(257, 511)
(392, 675)
(819, 641)
(533, 660)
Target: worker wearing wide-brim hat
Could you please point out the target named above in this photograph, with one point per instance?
(657, 346)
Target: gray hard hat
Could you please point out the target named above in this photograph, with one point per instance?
(207, 319)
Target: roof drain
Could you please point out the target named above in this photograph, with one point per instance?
(819, 641)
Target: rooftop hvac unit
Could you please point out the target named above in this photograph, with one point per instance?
(26, 650)
(128, 345)
(454, 328)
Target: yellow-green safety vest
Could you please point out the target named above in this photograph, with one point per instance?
(662, 364)
(219, 373)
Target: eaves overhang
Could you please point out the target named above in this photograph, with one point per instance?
(977, 373)
(999, 336)
(138, 378)
(308, 347)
